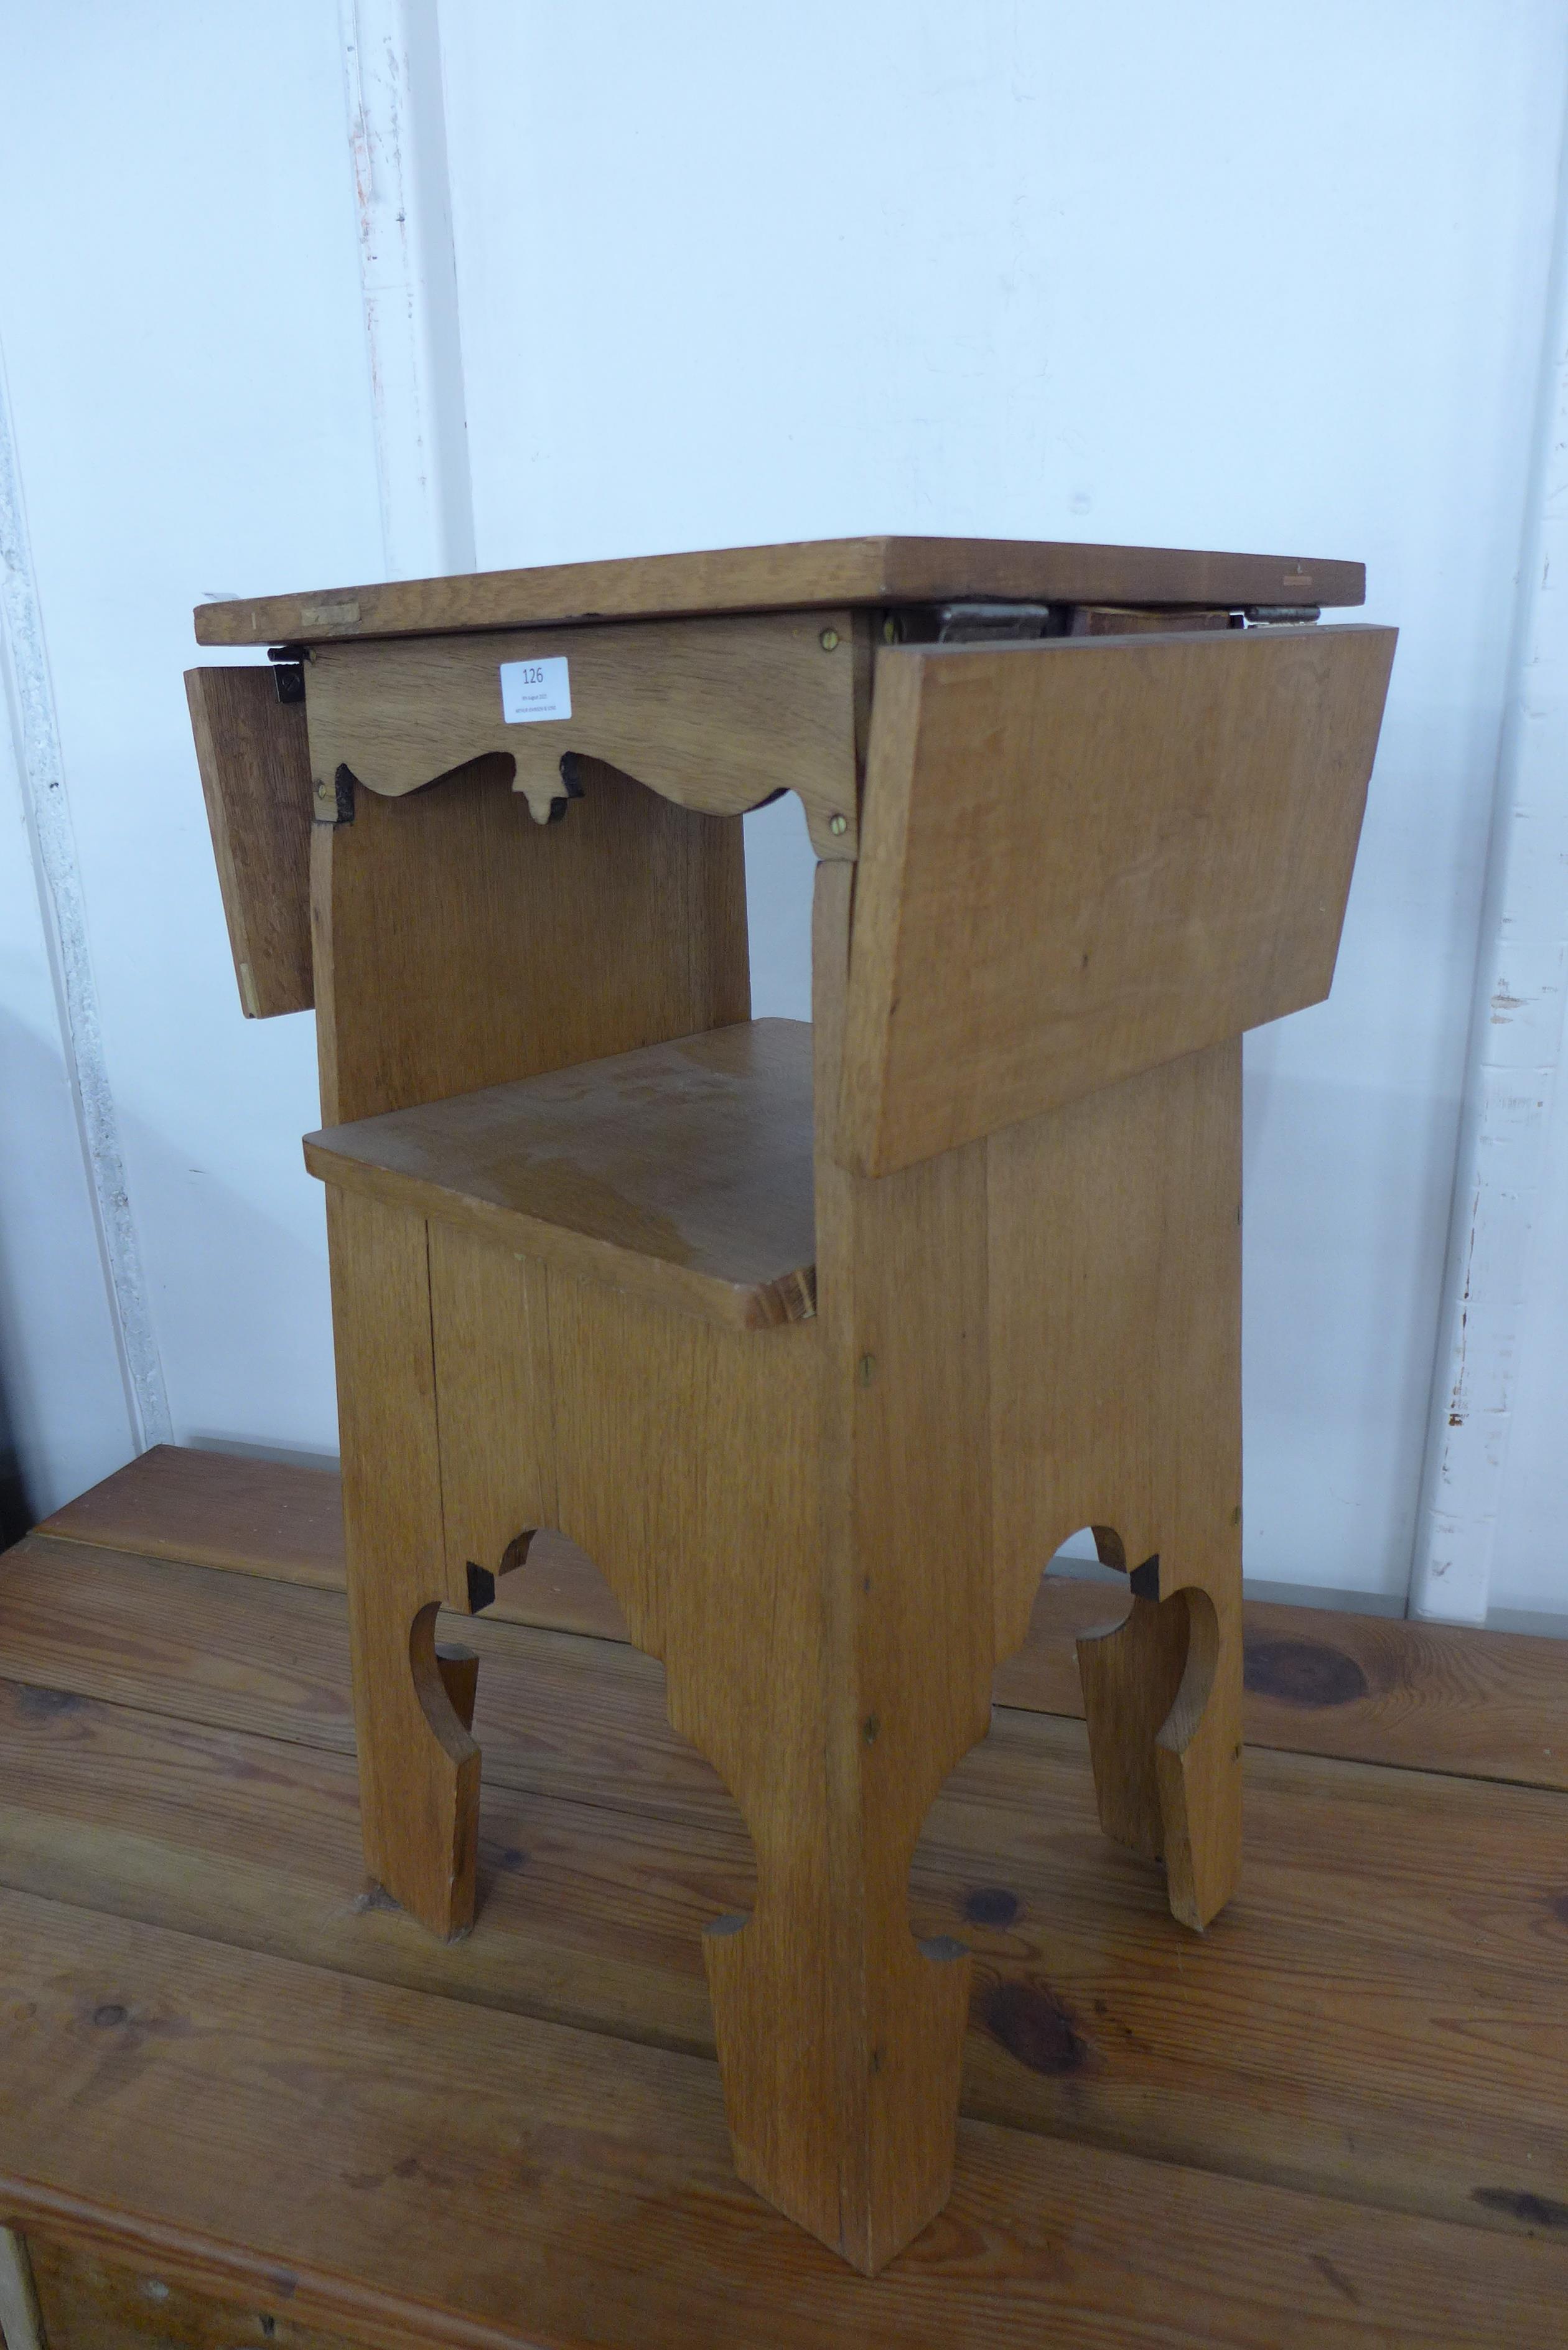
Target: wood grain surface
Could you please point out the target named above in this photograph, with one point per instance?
(284, 1521)
(718, 715)
(1371, 1689)
(1153, 856)
(1315, 2042)
(306, 2137)
(1369, 2040)
(418, 1766)
(91, 2303)
(451, 936)
(682, 1171)
(810, 574)
(1134, 1279)
(254, 763)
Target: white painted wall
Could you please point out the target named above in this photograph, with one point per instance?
(63, 1404)
(190, 394)
(1220, 274)
(1213, 275)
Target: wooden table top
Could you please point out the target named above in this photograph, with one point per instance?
(815, 572)
(1337, 2119)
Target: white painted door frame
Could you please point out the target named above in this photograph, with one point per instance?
(395, 96)
(40, 767)
(1515, 1044)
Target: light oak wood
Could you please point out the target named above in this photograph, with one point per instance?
(682, 1170)
(719, 714)
(490, 1318)
(1015, 1213)
(416, 2170)
(255, 764)
(803, 577)
(1154, 855)
(719, 1576)
(458, 945)
(419, 1765)
(907, 1633)
(1318, 1681)
(1116, 1381)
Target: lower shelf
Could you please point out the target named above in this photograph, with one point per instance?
(682, 1172)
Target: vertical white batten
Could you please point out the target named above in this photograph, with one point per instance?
(30, 696)
(20, 2322)
(402, 199)
(1516, 1041)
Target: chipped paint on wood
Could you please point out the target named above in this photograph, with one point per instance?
(1516, 1042)
(402, 209)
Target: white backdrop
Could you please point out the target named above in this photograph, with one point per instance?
(1208, 276)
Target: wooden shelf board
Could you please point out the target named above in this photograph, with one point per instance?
(813, 573)
(681, 1171)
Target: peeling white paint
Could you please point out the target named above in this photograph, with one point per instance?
(30, 696)
(1516, 1044)
(402, 203)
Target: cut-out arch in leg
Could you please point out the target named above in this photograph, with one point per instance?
(419, 1767)
(1162, 1693)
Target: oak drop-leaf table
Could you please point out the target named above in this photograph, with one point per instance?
(819, 1339)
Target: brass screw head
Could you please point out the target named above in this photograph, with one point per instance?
(324, 791)
(828, 640)
(838, 826)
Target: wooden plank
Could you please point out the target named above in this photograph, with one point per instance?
(91, 2304)
(272, 1518)
(685, 1463)
(1368, 1689)
(907, 1634)
(405, 2169)
(553, 1713)
(1371, 1898)
(284, 1521)
(1154, 856)
(681, 1172)
(1372, 1689)
(254, 762)
(489, 1317)
(1116, 1372)
(780, 578)
(718, 715)
(419, 1765)
(459, 944)
(588, 1914)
